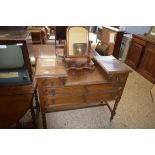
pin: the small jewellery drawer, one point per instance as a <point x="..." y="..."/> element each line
<point x="54" y="82"/>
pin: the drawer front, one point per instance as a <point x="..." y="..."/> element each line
<point x="67" y="91"/>
<point x="63" y="100"/>
<point x="54" y="82"/>
<point x="66" y="100"/>
<point x="80" y="90"/>
<point x="100" y="88"/>
<point x="77" y="95"/>
<point x="100" y="97"/>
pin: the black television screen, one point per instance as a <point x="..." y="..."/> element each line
<point x="13" y="70"/>
<point x="11" y="56"/>
<point x="12" y="65"/>
<point x="15" y="65"/>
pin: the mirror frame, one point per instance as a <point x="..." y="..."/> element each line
<point x="67" y="44"/>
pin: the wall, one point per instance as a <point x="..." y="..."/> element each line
<point x="136" y="29"/>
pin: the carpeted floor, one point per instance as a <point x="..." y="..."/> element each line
<point x="135" y="110"/>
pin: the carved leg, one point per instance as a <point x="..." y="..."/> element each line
<point x="106" y="103"/>
<point x="37" y="101"/>
<point x="44" y="120"/>
<point x="114" y="109"/>
<point x="33" y="115"/>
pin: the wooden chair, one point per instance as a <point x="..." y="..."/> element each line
<point x="36" y="37"/>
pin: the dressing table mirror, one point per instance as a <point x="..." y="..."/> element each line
<point x="77" y="48"/>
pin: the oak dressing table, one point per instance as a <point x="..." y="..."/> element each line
<point x="61" y="89"/>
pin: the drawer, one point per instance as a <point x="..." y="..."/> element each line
<point x="78" y="99"/>
<point x="53" y="82"/>
<point x="100" y="87"/>
<point x="65" y="91"/>
<point x="100" y="97"/>
<point x="63" y="100"/>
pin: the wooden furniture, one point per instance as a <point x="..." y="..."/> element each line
<point x="77" y="49"/>
<point x="112" y="37"/>
<point x="60" y="35"/>
<point x="39" y="34"/>
<point x="17" y="86"/>
<point x="60" y="38"/>
<point x="63" y="90"/>
<point x="60" y="32"/>
<point x="102" y="48"/>
<point x="125" y="45"/>
<point x="20" y="40"/>
<point x="99" y="34"/>
<point x="141" y="56"/>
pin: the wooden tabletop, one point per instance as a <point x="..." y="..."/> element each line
<point x="55" y="67"/>
<point x="111" y="65"/>
<point x="50" y="67"/>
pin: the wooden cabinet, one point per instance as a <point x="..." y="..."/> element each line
<point x="147" y="66"/>
<point x="141" y="56"/>
<point x="135" y="52"/>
